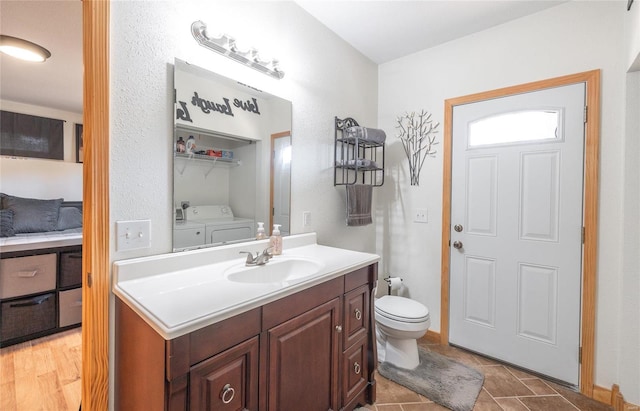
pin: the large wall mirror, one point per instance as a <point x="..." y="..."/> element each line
<point x="232" y="160"/>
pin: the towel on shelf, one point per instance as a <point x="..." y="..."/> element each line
<point x="360" y="163"/>
<point x="359" y="204"/>
<point x="364" y="133"/>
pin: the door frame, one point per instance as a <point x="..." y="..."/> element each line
<point x="590" y="210"/>
<point x="95" y="196"/>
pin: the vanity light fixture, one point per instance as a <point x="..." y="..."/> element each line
<point x="23" y="49"/>
<point x="227" y="46"/>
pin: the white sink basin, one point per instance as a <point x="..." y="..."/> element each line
<point x="275" y="271"/>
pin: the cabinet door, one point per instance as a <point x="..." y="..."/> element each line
<point x="227" y="381"/>
<point x="303" y="361"/>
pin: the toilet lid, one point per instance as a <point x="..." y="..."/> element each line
<point x="401" y="309"/>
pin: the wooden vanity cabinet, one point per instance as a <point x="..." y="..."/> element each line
<point x="311" y="350"/>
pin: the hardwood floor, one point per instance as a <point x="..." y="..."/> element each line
<point x="42" y="374"/>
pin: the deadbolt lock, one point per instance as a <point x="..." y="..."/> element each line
<point x="457" y="227"/>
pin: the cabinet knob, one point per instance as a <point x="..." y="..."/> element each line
<point x="356" y="368"/>
<point x="339" y="328"/>
<point x="227" y="394"/>
<point x="358" y="314"/>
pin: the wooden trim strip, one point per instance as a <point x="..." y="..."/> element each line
<point x="96" y="241"/>
<point x="589" y="259"/>
<point x="614" y="398"/>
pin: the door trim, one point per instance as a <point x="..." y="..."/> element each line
<point x="95" y="196"/>
<point x="590" y="199"/>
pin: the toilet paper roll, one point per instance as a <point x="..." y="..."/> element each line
<point x="395" y="283"/>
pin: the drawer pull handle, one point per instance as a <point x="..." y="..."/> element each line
<point x="227" y="394"/>
<point x="356" y="368"/>
<point x="32" y="302"/>
<point x="358" y="314"/>
<point x="74" y="255"/>
<point x="26" y="274"/>
<point x="339" y="328"/>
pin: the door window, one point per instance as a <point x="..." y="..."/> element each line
<point x="515" y="127"/>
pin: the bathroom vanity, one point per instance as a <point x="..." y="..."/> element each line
<point x="294" y="334"/>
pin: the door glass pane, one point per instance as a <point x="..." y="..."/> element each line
<point x="515" y="127"/>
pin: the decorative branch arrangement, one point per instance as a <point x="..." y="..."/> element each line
<point x="417" y="133"/>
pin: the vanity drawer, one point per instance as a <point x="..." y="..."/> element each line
<point x="355" y="370"/>
<point x="28" y="316"/>
<point x="70" y="268"/>
<point x="27" y="275"/>
<point x="70" y="303"/>
<point x="356" y="315"/>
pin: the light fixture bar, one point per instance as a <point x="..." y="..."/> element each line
<point x="23" y="49"/>
<point x="226" y="46"/>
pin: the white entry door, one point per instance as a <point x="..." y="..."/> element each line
<point x="516" y="229"/>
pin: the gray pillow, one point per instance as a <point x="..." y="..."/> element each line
<point x="6" y="223"/>
<point x="31" y="215"/>
<point x="70" y="217"/>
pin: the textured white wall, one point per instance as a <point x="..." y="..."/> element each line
<point x="629" y="318"/>
<point x="632" y="29"/>
<point x="324" y="77"/>
<point x="39" y="178"/>
<point x="570" y="38"/>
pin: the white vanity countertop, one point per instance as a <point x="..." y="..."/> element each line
<point x="179" y="293"/>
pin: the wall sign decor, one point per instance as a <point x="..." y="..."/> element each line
<point x="417" y="132"/>
<point x="223" y="106"/>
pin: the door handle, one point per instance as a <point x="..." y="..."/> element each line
<point x="457" y="245"/>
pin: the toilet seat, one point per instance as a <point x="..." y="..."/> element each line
<point x="401" y="309"/>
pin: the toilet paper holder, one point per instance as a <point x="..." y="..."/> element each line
<point x="388" y="280"/>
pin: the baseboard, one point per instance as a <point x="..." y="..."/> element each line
<point x="432" y="337"/>
<point x="614" y="398"/>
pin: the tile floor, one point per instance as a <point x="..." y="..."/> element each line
<point x="504" y="389"/>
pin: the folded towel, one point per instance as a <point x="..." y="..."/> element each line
<point x="360" y="162"/>
<point x="365" y="133"/>
<point x="359" y="204"/>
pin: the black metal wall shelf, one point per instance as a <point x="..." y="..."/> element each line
<point x="356" y="160"/>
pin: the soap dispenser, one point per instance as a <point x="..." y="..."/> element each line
<point x="276" y="240"/>
<point x="260" y="233"/>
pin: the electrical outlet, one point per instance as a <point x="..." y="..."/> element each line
<point x="306" y="218"/>
<point x="420" y="215"/>
<point x="131" y="235"/>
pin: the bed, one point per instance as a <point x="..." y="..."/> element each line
<point x="40" y="267"/>
<point x="27" y="223"/>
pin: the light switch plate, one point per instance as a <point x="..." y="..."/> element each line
<point x="421" y="215"/>
<point x="132" y="235"/>
<point x="306" y="218"/>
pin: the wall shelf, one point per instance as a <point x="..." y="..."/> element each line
<point x="356" y="160"/>
<point x="210" y="161"/>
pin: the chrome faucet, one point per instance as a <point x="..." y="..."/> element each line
<point x="259" y="259"/>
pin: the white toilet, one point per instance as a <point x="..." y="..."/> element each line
<point x="400" y="322"/>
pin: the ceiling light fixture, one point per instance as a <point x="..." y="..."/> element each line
<point x="23" y="49"/>
<point x="227" y="46"/>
